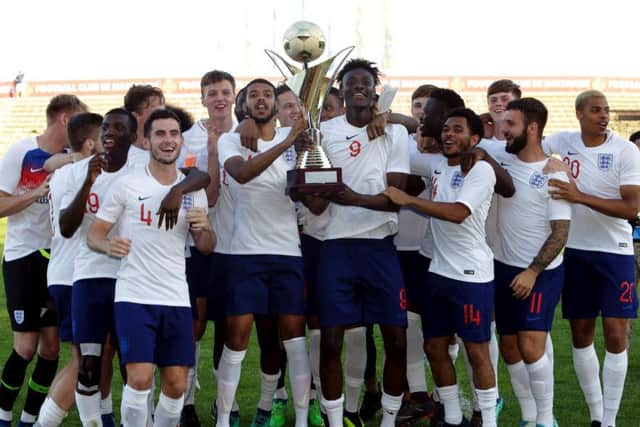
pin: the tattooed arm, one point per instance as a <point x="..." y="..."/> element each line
<point x="523" y="282"/>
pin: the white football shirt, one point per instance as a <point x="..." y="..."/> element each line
<point x="137" y="156"/>
<point x="412" y="225"/>
<point x="599" y="171"/>
<point x="154" y="270"/>
<point x="423" y="164"/>
<point x="193" y="152"/>
<point x="264" y="220"/>
<point x="365" y="165"/>
<point x="524" y="218"/>
<point x="89" y="264"/>
<point x="460" y="251"/>
<point x="63" y="250"/>
<point x="22" y="170"/>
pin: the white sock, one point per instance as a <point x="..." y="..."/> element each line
<point x="6" y="415"/>
<point x="467" y="364"/>
<point x="150" y="406"/>
<point x="522" y="389"/>
<point x="51" y="415"/>
<point x="451" y="401"/>
<point x="299" y="377"/>
<point x="106" y="405"/>
<point x="268" y="385"/>
<point x="548" y="348"/>
<point x="487" y="401"/>
<point x="354" y="366"/>
<point x="390" y="407"/>
<point x="494" y="353"/>
<point x="587" y="366"/>
<point x="235" y="407"/>
<point x="133" y="407"/>
<point x="228" y="379"/>
<point x="192" y="379"/>
<point x="281" y="394"/>
<point x="453" y="352"/>
<point x="415" y="354"/>
<point x="614" y="372"/>
<point x="334" y="411"/>
<point x="314" y="358"/>
<point x="541" y="376"/>
<point x="168" y="411"/>
<point x="89" y="409"/>
<point x="28" y="418"/>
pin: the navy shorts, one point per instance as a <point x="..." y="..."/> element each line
<point x="532" y="314"/>
<point x="450" y="306"/>
<point x="157" y="334"/>
<point x="25" y="286"/>
<point x="92" y="310"/>
<point x="265" y="285"/>
<point x="310" y="256"/>
<point x="415" y="268"/>
<point x="598" y="283"/>
<point x="61" y="297"/>
<point x="198" y="268"/>
<point x="360" y="282"/>
<point x="216" y="305"/>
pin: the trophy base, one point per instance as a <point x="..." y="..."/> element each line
<point x="314" y="180"/>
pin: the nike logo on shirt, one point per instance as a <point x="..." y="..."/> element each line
<point x="36" y="170"/>
<point x="436" y="172"/>
<point x="352" y="136"/>
<point x="572" y="154"/>
<point x="140" y="198"/>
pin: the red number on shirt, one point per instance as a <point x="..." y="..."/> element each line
<point x="403" y="299"/>
<point x="536" y="303"/>
<point x="93" y="203"/>
<point x="354" y="148"/>
<point x="143" y="218"/>
<point x="627" y="292"/>
<point x="471" y="315"/>
<point x="574" y="165"/>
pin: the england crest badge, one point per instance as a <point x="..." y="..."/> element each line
<point x="18" y="316"/>
<point x="605" y="161"/>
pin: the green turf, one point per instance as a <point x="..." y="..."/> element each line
<point x="570" y="408"/>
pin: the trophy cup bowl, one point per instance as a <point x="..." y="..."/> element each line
<point x="304" y="42"/>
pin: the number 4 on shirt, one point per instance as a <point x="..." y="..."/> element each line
<point x="145" y="218"/>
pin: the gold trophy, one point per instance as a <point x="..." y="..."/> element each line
<point x="304" y="42"/>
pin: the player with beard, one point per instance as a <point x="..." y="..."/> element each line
<point x="604" y="194"/>
<point x="359" y="279"/>
<point x="152" y="308"/>
<point x="94" y="274"/>
<point x="459" y="294"/>
<point x="265" y="270"/>
<point x="531" y="233"/>
<point x="24" y="185"/>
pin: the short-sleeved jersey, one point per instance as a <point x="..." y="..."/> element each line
<point x="154" y="270"/>
<point x="524" y="218"/>
<point x="599" y="171"/>
<point x="89" y="264"/>
<point x="365" y="165"/>
<point x="460" y="251"/>
<point x="412" y="226"/>
<point x="63" y="250"/>
<point x="423" y="164"/>
<point x="137" y="157"/>
<point x="193" y="152"/>
<point x="495" y="148"/>
<point x="264" y="218"/>
<point x="22" y="170"/>
<point x="223" y="210"/>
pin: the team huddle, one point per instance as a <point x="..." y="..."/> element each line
<point x="453" y="233"/>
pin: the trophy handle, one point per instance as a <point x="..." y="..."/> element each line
<point x="281" y="64"/>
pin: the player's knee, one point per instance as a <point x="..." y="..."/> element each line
<point x="436" y="351"/>
<point x="174" y="385"/>
<point x="478" y="355"/>
<point x="89" y="375"/>
<point x="509" y="349"/>
<point x="616" y="342"/>
<point x="395" y="345"/>
<point x="49" y="349"/>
